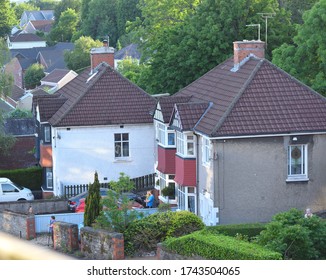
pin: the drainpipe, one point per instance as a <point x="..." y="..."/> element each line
<point x="197" y="175"/>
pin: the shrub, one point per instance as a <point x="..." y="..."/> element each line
<point x="27" y="177"/>
<point x="144" y="234"/>
<point x="294" y="236"/>
<point x="218" y="247"/>
<point x="250" y="230"/>
<point x="92" y="202"/>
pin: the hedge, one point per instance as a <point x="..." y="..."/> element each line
<point x="249" y="230"/>
<point x="28" y="177"/>
<point x="218" y="247"/>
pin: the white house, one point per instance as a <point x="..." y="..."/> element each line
<point x="99" y="121"/>
<point x="22" y="40"/>
<point x="57" y="78"/>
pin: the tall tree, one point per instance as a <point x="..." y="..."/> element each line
<point x="44" y="4"/>
<point x="92" y="202"/>
<point x="7" y="18"/>
<point x="66" y="26"/>
<point x="34" y="75"/>
<point x="63" y="5"/>
<point x="79" y="58"/>
<point x="6" y="80"/>
<point x="306" y="58"/>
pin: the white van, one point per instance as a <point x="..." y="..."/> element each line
<point x="11" y="192"/>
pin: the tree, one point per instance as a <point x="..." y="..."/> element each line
<point x="183" y="48"/>
<point x="63" y="5"/>
<point x="44" y="4"/>
<point x="131" y="69"/>
<point x="79" y="58"/>
<point x="306" y="58"/>
<point x="66" y="26"/>
<point x="6" y="80"/>
<point x="294" y="236"/>
<point x="33" y="75"/>
<point x="19" y="9"/>
<point x="92" y="202"/>
<point x="6" y="141"/>
<point x="7" y="18"/>
<point x="116" y="214"/>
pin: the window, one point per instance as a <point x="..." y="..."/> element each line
<point x="8" y="188"/>
<point x="121" y="145"/>
<point x="47" y="134"/>
<point x="49" y="178"/>
<point x="206" y="151"/>
<point x="165" y="136"/>
<point x="187" y="199"/>
<point x="297" y="162"/>
<point x="171" y="138"/>
<point x="186" y="144"/>
<point x="161" y="133"/>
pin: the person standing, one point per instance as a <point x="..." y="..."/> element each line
<point x="150" y="200"/>
<point x="51" y="231"/>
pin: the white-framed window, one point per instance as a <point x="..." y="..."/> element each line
<point x="186" y="197"/>
<point x="298" y="162"/>
<point x="186" y="144"/>
<point x="206" y="150"/>
<point x="165" y="136"/>
<point x="49" y="178"/>
<point x="121" y="145"/>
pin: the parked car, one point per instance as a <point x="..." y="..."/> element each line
<point x="9" y="191"/>
<point x="75" y="201"/>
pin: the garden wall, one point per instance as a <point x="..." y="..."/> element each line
<point x="163" y="254"/>
<point x="65" y="236"/>
<point x="100" y="244"/>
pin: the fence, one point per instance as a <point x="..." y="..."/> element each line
<point x="142" y="183"/>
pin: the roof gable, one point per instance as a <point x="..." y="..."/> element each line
<point x="102" y="99"/>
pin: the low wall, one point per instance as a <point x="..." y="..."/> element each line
<point x="17" y="224"/>
<point x="39" y="206"/>
<point x="100" y="244"/>
<point x="65" y="236"/>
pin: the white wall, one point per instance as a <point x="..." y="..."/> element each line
<point x="81" y="151"/>
<point x="26" y="45"/>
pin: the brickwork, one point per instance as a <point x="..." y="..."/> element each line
<point x="244" y="48"/>
<point x="65" y="236"/>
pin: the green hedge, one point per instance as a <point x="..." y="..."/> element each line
<point x="28" y="177"/>
<point x="249" y="230"/>
<point x="218" y="247"/>
<point x="144" y="234"/>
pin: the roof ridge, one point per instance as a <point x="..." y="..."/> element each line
<point x="237" y="97"/>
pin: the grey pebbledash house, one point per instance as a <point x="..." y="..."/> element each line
<point x="243" y="142"/>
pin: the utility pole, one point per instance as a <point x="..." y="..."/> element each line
<point x="258" y="25"/>
<point x="266" y="16"/>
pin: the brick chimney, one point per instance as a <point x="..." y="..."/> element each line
<point x="102" y="54"/>
<point x="244" y="49"/>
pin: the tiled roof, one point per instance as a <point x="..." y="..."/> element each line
<point x="128" y="51"/>
<point x="190" y="114"/>
<point x="167" y="104"/>
<point x="102" y="99"/>
<point x="42" y="25"/>
<point x="26" y="37"/>
<point x="17" y="93"/>
<point x="257" y="99"/>
<point x="55" y="76"/>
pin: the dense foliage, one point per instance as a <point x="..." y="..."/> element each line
<point x="305" y="59"/>
<point x="294" y="236"/>
<point x="27" y="177"/>
<point x="92" y="202"/>
<point x="144" y="234"/>
<point x="33" y="75"/>
<point x="218" y="247"/>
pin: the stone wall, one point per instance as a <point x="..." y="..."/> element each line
<point x="65" y="236"/>
<point x="17" y="224"/>
<point x="101" y="244"/>
<point x="43" y="206"/>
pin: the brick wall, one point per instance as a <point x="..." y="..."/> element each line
<point x="65" y="236"/>
<point x="101" y="244"/>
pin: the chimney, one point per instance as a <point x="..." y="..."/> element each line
<point x="244" y="49"/>
<point x="102" y="54"/>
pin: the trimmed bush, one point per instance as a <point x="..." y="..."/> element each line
<point x="27" y="177"/>
<point x="250" y="230"/>
<point x="218" y="247"/>
<point x="144" y="234"/>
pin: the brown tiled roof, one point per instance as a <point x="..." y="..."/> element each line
<point x="257" y="99"/>
<point x="102" y="99"/>
<point x="25" y="37"/>
<point x="17" y="93"/>
<point x="190" y="114"/>
<point x="42" y="25"/>
<point x="55" y="76"/>
<point x="167" y="104"/>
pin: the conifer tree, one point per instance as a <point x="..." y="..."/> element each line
<point x="92" y="202"/>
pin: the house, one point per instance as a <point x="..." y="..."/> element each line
<point x="99" y="121"/>
<point x="42" y="15"/>
<point x="14" y="68"/>
<point x="130" y="51"/>
<point x="21" y="40"/>
<point x="57" y="79"/>
<point x="19" y="99"/>
<point x="243" y="142"/>
<point x="34" y="26"/>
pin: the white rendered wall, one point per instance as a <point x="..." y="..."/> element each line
<point x="81" y="151"/>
